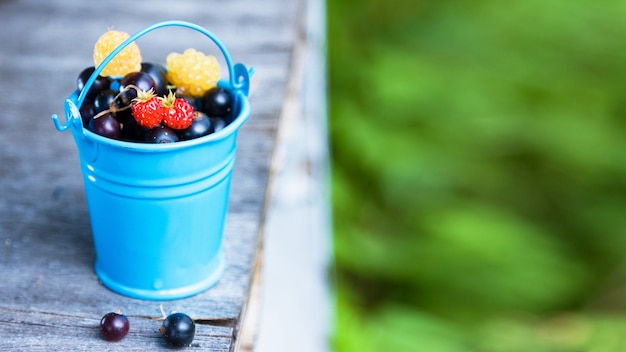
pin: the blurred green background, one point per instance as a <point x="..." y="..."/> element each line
<point x="479" y="174"/>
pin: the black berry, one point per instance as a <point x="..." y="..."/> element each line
<point x="201" y="125"/>
<point x="105" y="125"/>
<point x="114" y="326"/>
<point x="103" y="100"/>
<point x="133" y="81"/>
<point x="101" y="83"/>
<point x="217" y="102"/>
<point x="157" y="72"/>
<point x="87" y="112"/>
<point x="178" y="329"/>
<point x="219" y="123"/>
<point x="131" y="130"/>
<point x="161" y="134"/>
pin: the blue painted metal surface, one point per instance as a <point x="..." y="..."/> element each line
<point x="158" y="211"/>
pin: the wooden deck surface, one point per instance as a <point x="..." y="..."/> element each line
<point x="50" y="299"/>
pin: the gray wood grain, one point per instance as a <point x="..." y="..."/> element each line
<point x="50" y="299"/>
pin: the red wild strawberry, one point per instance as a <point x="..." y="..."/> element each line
<point x="147" y="109"/>
<point x="178" y="112"/>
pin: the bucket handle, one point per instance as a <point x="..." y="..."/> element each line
<point x="239" y="75"/>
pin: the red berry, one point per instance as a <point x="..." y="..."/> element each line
<point x="147" y="109"/>
<point x="178" y="112"/>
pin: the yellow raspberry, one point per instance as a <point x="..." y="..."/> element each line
<point x="126" y="61"/>
<point x="192" y="72"/>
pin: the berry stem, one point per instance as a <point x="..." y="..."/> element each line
<point x="162" y="311"/>
<point x="112" y="108"/>
<point x="109" y="110"/>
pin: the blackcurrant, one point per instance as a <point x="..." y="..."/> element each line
<point x="161" y="134"/>
<point x="217" y="102"/>
<point x="157" y="72"/>
<point x="178" y="329"/>
<point x="132" y="131"/>
<point x="105" y="125"/>
<point x="201" y="125"/>
<point x="124" y="115"/>
<point x="101" y="83"/>
<point x="219" y="123"/>
<point x="114" y="326"/>
<point x="103" y="100"/>
<point x="140" y="80"/>
<point x="86" y="112"/>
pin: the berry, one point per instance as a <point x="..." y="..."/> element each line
<point x="105" y="125"/>
<point x="147" y="109"/>
<point x="178" y="113"/>
<point x="126" y="61"/>
<point x="178" y="329"/>
<point x="161" y="134"/>
<point x="104" y="100"/>
<point x="131" y="83"/>
<point x="191" y="100"/>
<point x="217" y="102"/>
<point x="192" y="72"/>
<point x="114" y="326"/>
<point x="219" y="123"/>
<point x="131" y="130"/>
<point x="157" y="72"/>
<point x="98" y="85"/>
<point x="86" y="112"/>
<point x="123" y="114"/>
<point x="200" y="126"/>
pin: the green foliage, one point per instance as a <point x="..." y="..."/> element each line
<point x="479" y="170"/>
<point x="397" y="329"/>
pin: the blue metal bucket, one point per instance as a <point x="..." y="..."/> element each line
<point x="157" y="211"/>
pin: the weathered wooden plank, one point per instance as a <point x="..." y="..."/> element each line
<point x="50" y="298"/>
<point x="295" y="306"/>
<point x="28" y="330"/>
